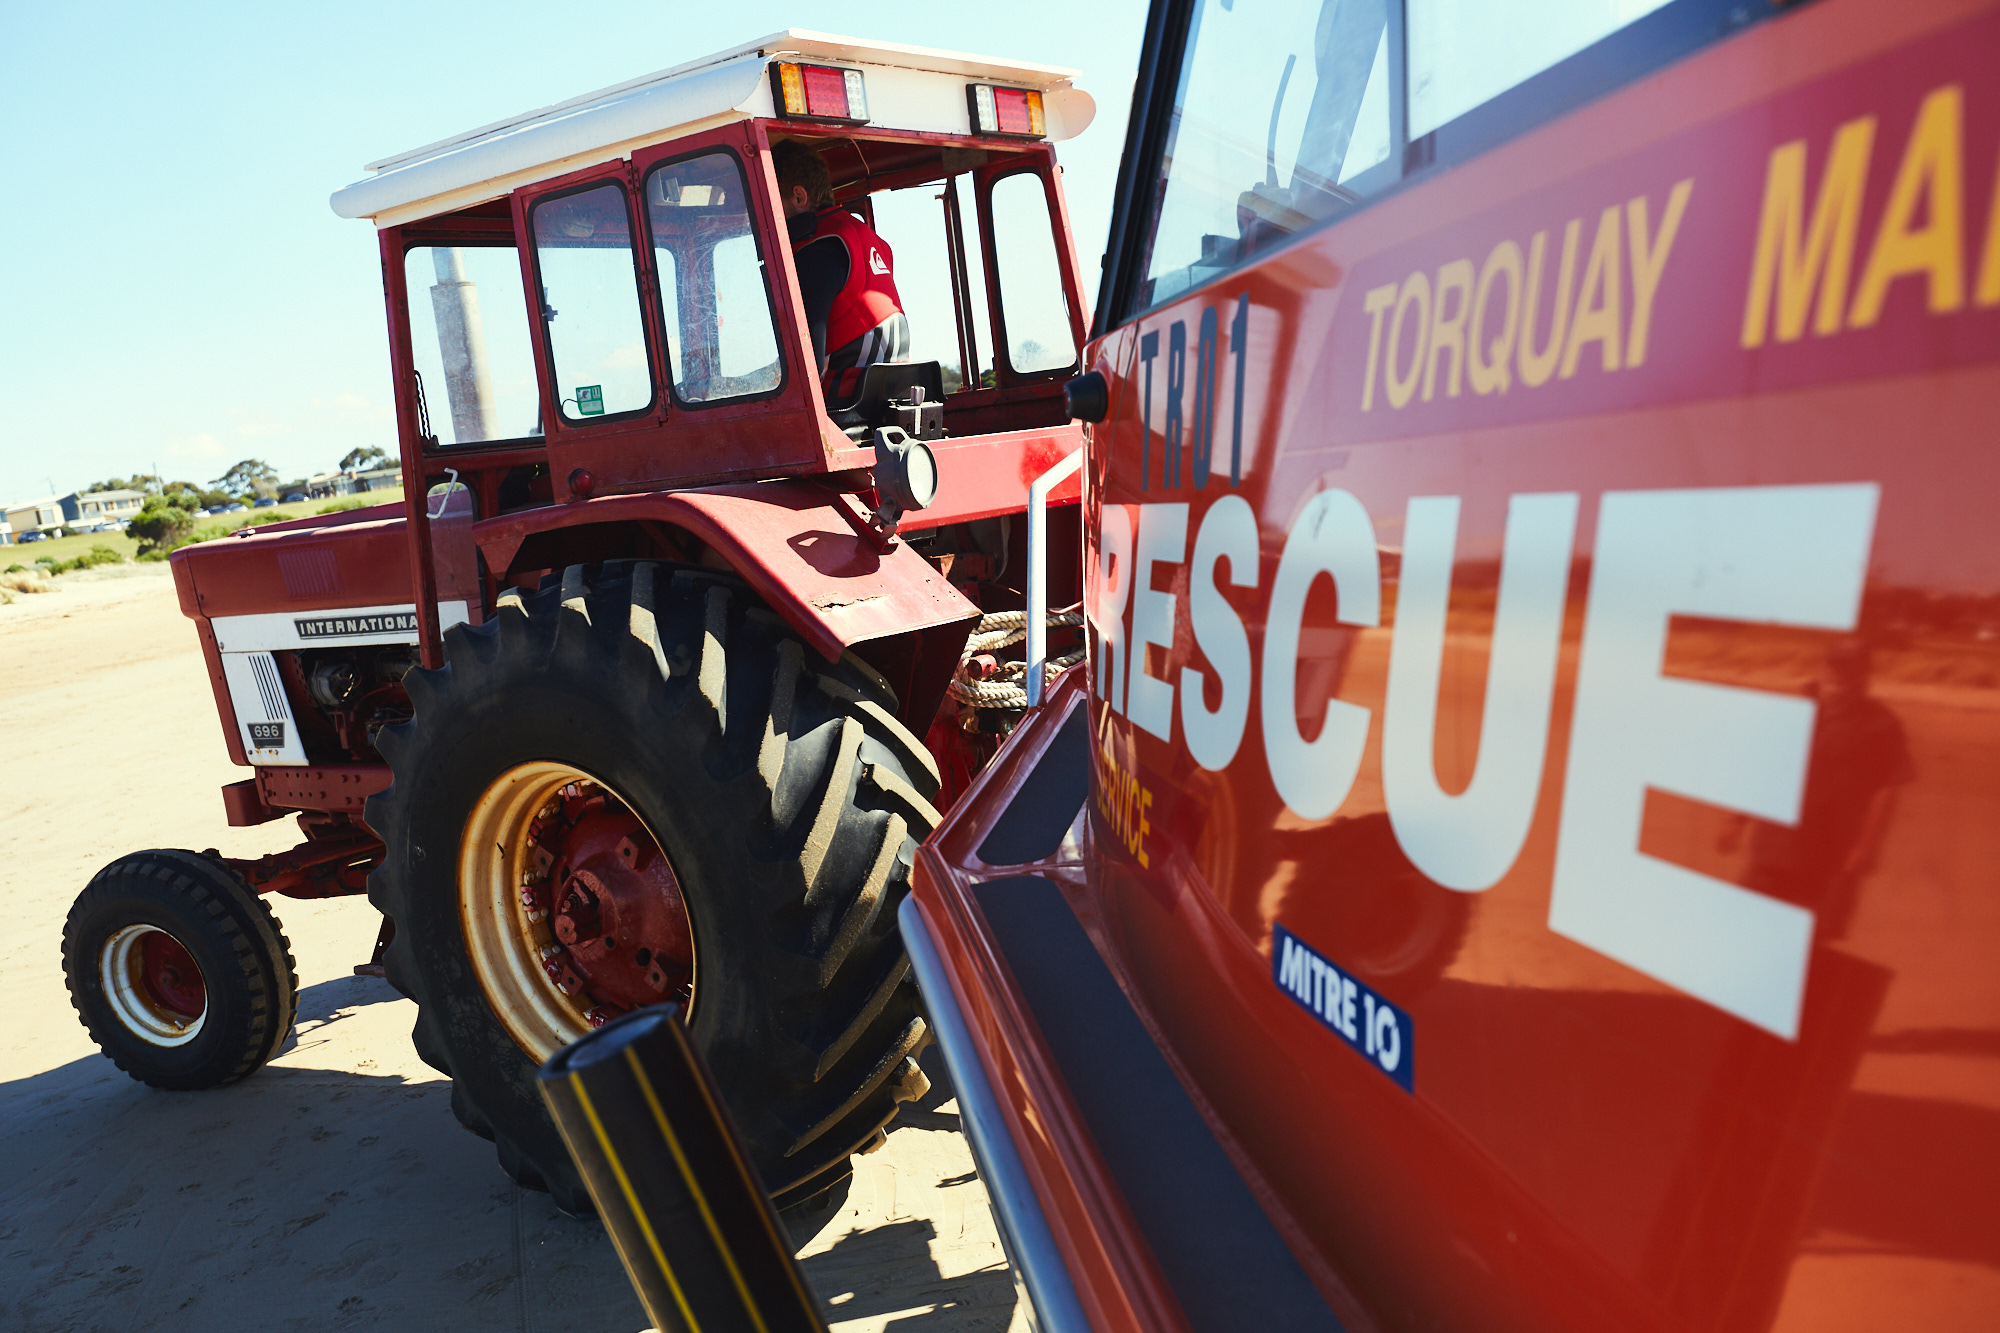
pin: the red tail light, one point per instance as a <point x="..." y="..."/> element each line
<point x="819" y="92"/>
<point x="1015" y="112"/>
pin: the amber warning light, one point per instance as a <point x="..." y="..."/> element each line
<point x="1010" y="111"/>
<point x="820" y="92"/>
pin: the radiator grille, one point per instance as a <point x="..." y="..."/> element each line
<point x="269" y="687"/>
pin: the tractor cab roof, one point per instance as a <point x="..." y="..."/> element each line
<point x="907" y="89"/>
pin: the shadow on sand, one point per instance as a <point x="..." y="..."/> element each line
<point x="300" y="1198"/>
<point x="311" y="1198"/>
<point x="890" y="1268"/>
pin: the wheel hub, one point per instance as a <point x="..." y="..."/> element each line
<point x="572" y="914"/>
<point x="619" y="914"/>
<point x="153" y="985"/>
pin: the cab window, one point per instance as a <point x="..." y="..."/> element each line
<point x="1033" y="309"/>
<point x="590" y="304"/>
<point x="1283" y="116"/>
<point x="947" y="322"/>
<point x="469" y="337"/>
<point x="1280" y="120"/>
<point x="715" y="291"/>
<point x="1464" y="53"/>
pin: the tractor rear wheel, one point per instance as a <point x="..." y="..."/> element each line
<point x="179" y="972"/>
<point x="638" y="786"/>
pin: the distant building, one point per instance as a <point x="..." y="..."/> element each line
<point x="43" y="515"/>
<point x="87" y="507"/>
<point x="6" y="533"/>
<point x="332" y="484"/>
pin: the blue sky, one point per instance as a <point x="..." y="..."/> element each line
<point x="179" y="292"/>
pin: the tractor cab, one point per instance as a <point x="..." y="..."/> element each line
<point x="599" y="297"/>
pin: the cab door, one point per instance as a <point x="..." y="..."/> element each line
<point x="742" y="400"/>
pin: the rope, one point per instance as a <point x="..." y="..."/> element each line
<point x="1007" y="686"/>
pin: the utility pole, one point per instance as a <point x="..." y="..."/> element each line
<point x="462" y="345"/>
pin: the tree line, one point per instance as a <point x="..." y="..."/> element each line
<point x="251" y="477"/>
<point x="172" y="507"/>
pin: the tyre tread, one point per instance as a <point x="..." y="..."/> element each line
<point x="832" y="809"/>
<point x="832" y="791"/>
<point x="867" y="904"/>
<point x="913" y="753"/>
<point x="906" y="1043"/>
<point x="871" y="1008"/>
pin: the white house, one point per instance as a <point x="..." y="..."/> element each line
<point x="88" y="507"/>
<point x="43" y="515"/>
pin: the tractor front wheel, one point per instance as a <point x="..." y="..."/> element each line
<point x="179" y="972"/>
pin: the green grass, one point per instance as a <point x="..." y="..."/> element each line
<point x="69" y="548"/>
<point x="206" y="529"/>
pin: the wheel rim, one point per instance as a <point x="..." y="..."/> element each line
<point x="572" y="913"/>
<point x="153" y="984"/>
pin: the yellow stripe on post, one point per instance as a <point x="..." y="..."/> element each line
<point x="672" y="1180"/>
<point x="632" y="1200"/>
<point x="694" y="1188"/>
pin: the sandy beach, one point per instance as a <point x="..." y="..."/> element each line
<point x="332" y="1189"/>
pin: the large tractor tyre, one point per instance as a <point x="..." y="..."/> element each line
<point x="636" y="786"/>
<point x="179" y="972"/>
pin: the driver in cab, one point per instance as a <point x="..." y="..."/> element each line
<point x="846" y="274"/>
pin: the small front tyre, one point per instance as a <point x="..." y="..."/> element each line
<point x="179" y="972"/>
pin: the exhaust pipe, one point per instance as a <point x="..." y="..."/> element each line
<point x="698" y="1236"/>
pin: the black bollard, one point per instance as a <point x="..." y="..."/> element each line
<point x="699" y="1238"/>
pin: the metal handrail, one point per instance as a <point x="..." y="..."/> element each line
<point x="1038" y="569"/>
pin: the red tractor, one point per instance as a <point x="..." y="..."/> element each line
<point x="651" y="687"/>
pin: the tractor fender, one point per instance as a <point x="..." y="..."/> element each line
<point x="791" y="543"/>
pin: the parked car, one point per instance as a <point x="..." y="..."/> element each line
<point x="295" y="498"/>
<point x="264" y="503"/>
<point x="32" y="537"/>
<point x="232" y="509"/>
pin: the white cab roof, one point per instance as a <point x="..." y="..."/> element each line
<point x="909" y="88"/>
